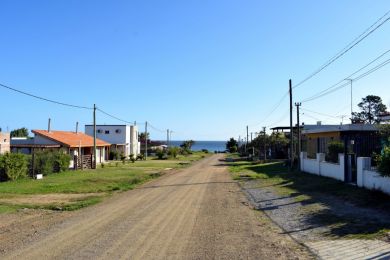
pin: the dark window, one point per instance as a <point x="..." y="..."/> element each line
<point x="107" y="132"/>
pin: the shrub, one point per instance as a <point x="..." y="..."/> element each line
<point x="173" y="151"/>
<point x="132" y="158"/>
<point x="205" y="150"/>
<point x="160" y="154"/>
<point x="114" y="155"/>
<point x="13" y="166"/>
<point x="334" y="148"/>
<point x="102" y="165"/>
<point x="47" y="162"/>
<point x="140" y="156"/>
<point x="384" y="162"/>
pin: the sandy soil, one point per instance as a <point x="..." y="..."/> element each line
<point x="46" y="199"/>
<point x="194" y="213"/>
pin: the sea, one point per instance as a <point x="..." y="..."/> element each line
<point x="211" y="146"/>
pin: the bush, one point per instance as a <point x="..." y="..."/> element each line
<point x="173" y="151"/>
<point x="47" y="162"/>
<point x="114" y="155"/>
<point x="160" y="154"/>
<point x="140" y="156"/>
<point x="334" y="148"/>
<point x="384" y="162"/>
<point x="132" y="158"/>
<point x="13" y="166"/>
<point x="205" y="150"/>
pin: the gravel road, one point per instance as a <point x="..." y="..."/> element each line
<point x="194" y="213"/>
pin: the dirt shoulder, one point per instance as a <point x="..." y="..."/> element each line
<point x="195" y="213"/>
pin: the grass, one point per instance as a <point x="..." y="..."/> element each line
<point x="315" y="190"/>
<point x="113" y="177"/>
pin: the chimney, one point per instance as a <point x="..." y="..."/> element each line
<point x="48" y="126"/>
<point x="77" y="127"/>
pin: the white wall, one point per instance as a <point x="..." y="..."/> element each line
<point x="319" y="167"/>
<point x="369" y="179"/>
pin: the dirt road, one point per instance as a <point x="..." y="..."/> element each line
<point x="195" y="213"/>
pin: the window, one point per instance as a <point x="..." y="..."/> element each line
<point x="99" y="131"/>
<point x="118" y="131"/>
<point x="107" y="132"/>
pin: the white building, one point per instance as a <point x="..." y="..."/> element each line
<point x="123" y="138"/>
<point x="4" y="142"/>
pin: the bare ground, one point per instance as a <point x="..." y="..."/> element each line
<point x="194" y="213"/>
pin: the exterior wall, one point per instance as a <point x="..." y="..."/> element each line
<point x="319" y="167"/>
<point x="318" y="142"/>
<point x="369" y="179"/>
<point x="124" y="135"/>
<point x="5" y="142"/>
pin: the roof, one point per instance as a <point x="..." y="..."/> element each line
<point x="340" y="128"/>
<point x="70" y="139"/>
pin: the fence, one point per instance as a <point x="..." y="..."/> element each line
<point x="369" y="179"/>
<point x="320" y="167"/>
<point x="83" y="162"/>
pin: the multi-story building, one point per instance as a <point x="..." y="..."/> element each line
<point x="123" y="138"/>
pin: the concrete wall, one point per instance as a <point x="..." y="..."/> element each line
<point x="319" y="167"/>
<point x="370" y="179"/>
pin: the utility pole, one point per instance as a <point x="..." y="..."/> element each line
<point x="146" y="140"/>
<point x="291" y="127"/>
<point x="351" y="100"/>
<point x="247" y="138"/>
<point x="167" y="138"/>
<point x="94" y="136"/>
<point x="265" y="146"/>
<point x="298" y="104"/>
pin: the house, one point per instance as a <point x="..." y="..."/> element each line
<point x="123" y="138"/>
<point x="385" y="117"/>
<point x="359" y="139"/>
<point x="4" y="142"/>
<point x="76" y="144"/>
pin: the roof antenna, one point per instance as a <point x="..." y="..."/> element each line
<point x="77" y="127"/>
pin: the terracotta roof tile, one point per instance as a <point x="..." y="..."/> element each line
<point x="70" y="139"/>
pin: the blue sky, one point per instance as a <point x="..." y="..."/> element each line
<point x="204" y="69"/>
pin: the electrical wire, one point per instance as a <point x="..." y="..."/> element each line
<point x="322" y="114"/>
<point x="44" y="99"/>
<point x="347" y="48"/>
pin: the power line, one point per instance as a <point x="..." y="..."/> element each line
<point x="115" y="117"/>
<point x="44" y="99"/>
<point x="333" y="88"/>
<point x="155" y="128"/>
<point x="322" y="114"/>
<point x="347" y="48"/>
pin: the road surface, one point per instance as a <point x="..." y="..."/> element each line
<point x="194" y="213"/>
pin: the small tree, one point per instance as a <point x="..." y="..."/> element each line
<point x="186" y="146"/>
<point x="13" y="166"/>
<point x="173" y="151"/>
<point x="232" y="145"/>
<point x="334" y="148"/>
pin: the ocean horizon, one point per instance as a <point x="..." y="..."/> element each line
<point x="211" y="146"/>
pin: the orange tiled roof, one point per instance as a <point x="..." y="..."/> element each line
<point x="70" y="139"/>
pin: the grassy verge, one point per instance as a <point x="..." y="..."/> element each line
<point x="57" y="190"/>
<point x="315" y="193"/>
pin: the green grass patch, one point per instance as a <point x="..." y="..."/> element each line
<point x="311" y="190"/>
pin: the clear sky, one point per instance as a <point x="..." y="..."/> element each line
<point x="204" y="69"/>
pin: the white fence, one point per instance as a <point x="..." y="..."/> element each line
<point x="369" y="179"/>
<point x="319" y="167"/>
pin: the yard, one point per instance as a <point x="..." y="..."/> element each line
<point x="72" y="190"/>
<point x="312" y="207"/>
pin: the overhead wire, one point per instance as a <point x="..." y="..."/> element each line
<point x="43" y="98"/>
<point x="348" y="47"/>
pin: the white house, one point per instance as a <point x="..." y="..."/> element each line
<point x="4" y="142"/>
<point x="123" y="138"/>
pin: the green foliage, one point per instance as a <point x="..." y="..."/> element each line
<point x="173" y="151"/>
<point x="114" y="155"/>
<point x="47" y="162"/>
<point x="205" y="150"/>
<point x="384" y="132"/>
<point x="102" y="165"/>
<point x="21" y="132"/>
<point x="232" y="145"/>
<point x="371" y="107"/>
<point x="140" y="157"/>
<point x="384" y="162"/>
<point x="334" y="148"/>
<point x="13" y="166"/>
<point x="186" y="147"/>
<point x="132" y="158"/>
<point x="160" y="154"/>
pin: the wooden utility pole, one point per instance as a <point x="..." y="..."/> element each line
<point x="265" y="146"/>
<point x="146" y="140"/>
<point x="291" y="127"/>
<point x="94" y="137"/>
<point x="167" y="138"/>
<point x="247" y="138"/>
<point x="298" y="104"/>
